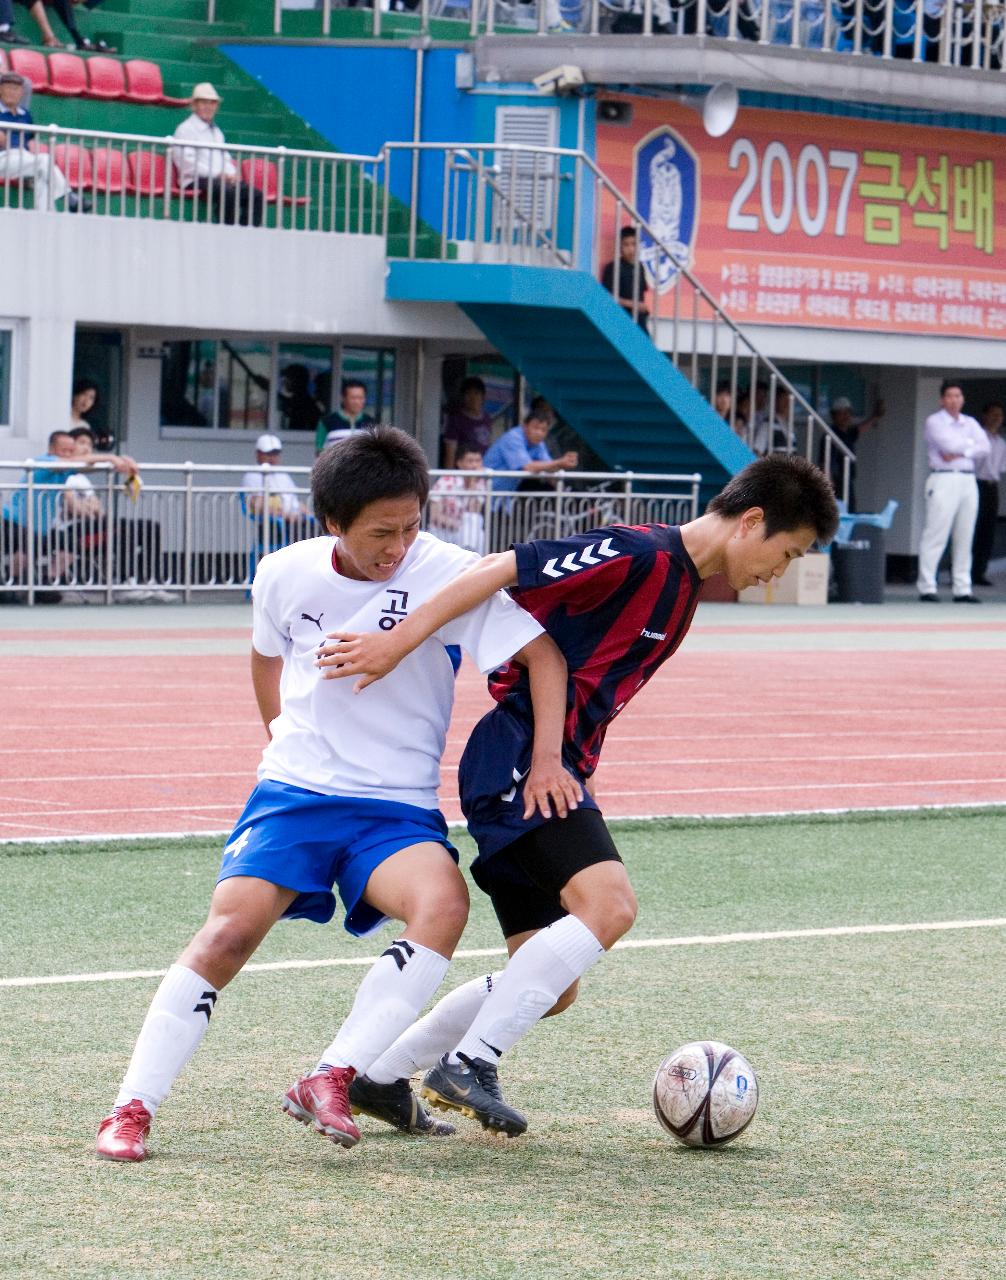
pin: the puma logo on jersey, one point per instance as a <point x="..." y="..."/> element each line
<point x="306" y="617"/>
<point x="653" y="635"/>
<point x="577" y="560"/>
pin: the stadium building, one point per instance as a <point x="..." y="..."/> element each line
<point x="442" y="187"/>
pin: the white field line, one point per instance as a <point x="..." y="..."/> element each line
<point x="631" y="944"/>
<point x="459" y="824"/>
<point x="811" y="786"/>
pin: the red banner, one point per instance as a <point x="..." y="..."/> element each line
<point x="836" y="223"/>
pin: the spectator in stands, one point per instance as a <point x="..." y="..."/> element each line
<point x="848" y="432"/>
<point x="212" y="173"/>
<point x="82" y="528"/>
<point x="83" y="400"/>
<point x="631" y="286"/>
<point x="7" y="33"/>
<point x="773" y="430"/>
<point x="289" y="517"/>
<point x="468" y="425"/>
<point x="19" y="157"/>
<point x="351" y="415"/>
<point x="955" y="443"/>
<point x="49" y="474"/>
<point x="65" y="10"/>
<point x="457" y="503"/>
<point x="988" y="474"/>
<point x="523" y="448"/>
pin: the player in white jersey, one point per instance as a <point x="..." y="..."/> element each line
<point x="347" y="790"/>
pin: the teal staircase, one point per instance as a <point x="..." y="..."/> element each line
<point x="576" y="346"/>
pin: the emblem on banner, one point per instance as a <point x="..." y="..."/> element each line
<point x="666" y="193"/>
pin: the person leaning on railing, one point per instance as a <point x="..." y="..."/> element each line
<point x="49" y="474"/>
<point x="19" y="159"/>
<point x="212" y="173"/>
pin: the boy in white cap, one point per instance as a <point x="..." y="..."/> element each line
<point x="275" y="492"/>
<point x="209" y="171"/>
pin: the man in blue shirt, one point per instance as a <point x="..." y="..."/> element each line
<point x="49" y="475"/>
<point x="522" y="448"/>
<point x="18" y="158"/>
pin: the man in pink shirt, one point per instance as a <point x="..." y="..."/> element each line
<point x="954" y="442"/>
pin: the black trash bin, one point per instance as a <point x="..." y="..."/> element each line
<point x="860" y="565"/>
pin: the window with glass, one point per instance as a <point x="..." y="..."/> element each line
<point x="375" y="368"/>
<point x="231" y="384"/>
<point x="304" y="386"/>
<point x="6" y="344"/>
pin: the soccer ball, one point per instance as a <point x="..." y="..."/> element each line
<point x="705" y="1093"/>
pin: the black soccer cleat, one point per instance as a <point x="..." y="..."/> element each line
<point x="396" y="1105"/>
<point x="472" y="1087"/>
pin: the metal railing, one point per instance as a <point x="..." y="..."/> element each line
<point x="126" y="175"/>
<point x="957" y="33"/>
<point x="195" y="528"/>
<point x="551" y="206"/>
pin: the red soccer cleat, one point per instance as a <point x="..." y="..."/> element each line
<point x="121" y="1135"/>
<point x="323" y="1101"/>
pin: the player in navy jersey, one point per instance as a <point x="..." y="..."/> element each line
<point x="347" y="790"/>
<point x="618" y="602"/>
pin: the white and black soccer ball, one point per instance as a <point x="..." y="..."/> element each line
<point x="705" y="1093"/>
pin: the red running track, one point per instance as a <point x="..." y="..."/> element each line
<point x="117" y="745"/>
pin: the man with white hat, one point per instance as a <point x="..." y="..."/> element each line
<point x="210" y="170"/>
<point x="272" y="492"/>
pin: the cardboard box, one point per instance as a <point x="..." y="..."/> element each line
<point x="804" y="582"/>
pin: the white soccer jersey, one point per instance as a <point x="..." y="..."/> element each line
<point x="387" y="741"/>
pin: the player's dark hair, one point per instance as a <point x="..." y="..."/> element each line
<point x="77" y="432"/>
<point x="349" y="383"/>
<point x="84" y="384"/>
<point x="947" y="384"/>
<point x="55" y="435"/>
<point x="792" y="492"/>
<point x="381" y="462"/>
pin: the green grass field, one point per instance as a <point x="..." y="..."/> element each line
<point x="878" y="1149"/>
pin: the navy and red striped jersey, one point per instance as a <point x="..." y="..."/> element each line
<point x="618" y="602"/>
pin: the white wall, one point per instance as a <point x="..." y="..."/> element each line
<point x="60" y="271"/>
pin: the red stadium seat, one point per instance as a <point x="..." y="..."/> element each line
<point x="4" y="64"/>
<point x="144" y="83"/>
<point x="146" y="173"/>
<point x="264" y="174"/>
<point x="67" y="75"/>
<point x="105" y="78"/>
<point x="108" y="175"/>
<point x="75" y="163"/>
<point x="32" y="65"/>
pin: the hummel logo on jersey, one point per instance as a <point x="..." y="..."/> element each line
<point x="400" y="951"/>
<point x="571" y="564"/>
<point x="206" y="1002"/>
<point x="235" y="847"/>
<point x="507" y="796"/>
<point x="653" y="635"/>
<point x="306" y="617"/>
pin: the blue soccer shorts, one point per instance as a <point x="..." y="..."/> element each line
<point x="302" y="840"/>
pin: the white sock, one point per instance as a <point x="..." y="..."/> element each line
<point x="172" y="1031"/>
<point x="389" y="997"/>
<point x="535" y="977"/>
<point x="427" y="1040"/>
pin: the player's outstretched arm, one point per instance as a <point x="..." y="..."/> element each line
<point x="548" y="783"/>
<point x="374" y="654"/>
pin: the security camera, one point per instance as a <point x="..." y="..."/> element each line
<point x="564" y="79"/>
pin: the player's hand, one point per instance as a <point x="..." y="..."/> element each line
<point x="549" y="784"/>
<point x="369" y="656"/>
